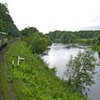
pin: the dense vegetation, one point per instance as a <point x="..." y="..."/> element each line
<point x="3" y="83"/>
<point x="29" y="30"/>
<point x="38" y="43"/>
<point x="6" y="23"/>
<point x="80" y="71"/>
<point x="81" y="37"/>
<point x="33" y="80"/>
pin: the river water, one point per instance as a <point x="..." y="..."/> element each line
<point x="58" y="56"/>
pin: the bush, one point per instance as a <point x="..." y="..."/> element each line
<point x="80" y="71"/>
<point x="37" y="42"/>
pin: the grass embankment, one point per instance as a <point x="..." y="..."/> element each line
<point x="33" y="80"/>
<point x="83" y="41"/>
<point x="4" y="83"/>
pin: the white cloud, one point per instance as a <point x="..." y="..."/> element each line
<point x="49" y="15"/>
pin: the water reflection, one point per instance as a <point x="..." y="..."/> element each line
<point x="58" y="56"/>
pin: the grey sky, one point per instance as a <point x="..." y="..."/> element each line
<point x="50" y="15"/>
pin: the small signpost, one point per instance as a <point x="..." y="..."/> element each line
<point x="22" y="59"/>
<point x="12" y="64"/>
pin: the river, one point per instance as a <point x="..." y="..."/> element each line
<point x="58" y="56"/>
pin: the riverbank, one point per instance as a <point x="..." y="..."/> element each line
<point x="33" y="80"/>
<point x="59" y="55"/>
<point x="96" y="48"/>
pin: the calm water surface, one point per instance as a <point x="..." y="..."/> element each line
<point x="58" y="56"/>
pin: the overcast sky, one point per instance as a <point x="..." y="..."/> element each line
<point x="50" y="15"/>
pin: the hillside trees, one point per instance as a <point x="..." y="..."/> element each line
<point x="68" y="38"/>
<point x="94" y="40"/>
<point x="13" y="31"/>
<point x="6" y="23"/>
<point x="28" y="30"/>
<point x="83" y="37"/>
<point x="98" y="40"/>
<point x="37" y="42"/>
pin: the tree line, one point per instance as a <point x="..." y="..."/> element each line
<point x="81" y="37"/>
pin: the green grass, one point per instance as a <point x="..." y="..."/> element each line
<point x="33" y="80"/>
<point x="18" y="85"/>
<point x="4" y="83"/>
<point x="84" y="41"/>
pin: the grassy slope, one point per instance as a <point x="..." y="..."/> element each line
<point x="33" y="80"/>
<point x="4" y="83"/>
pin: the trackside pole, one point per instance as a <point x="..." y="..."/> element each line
<point x="22" y="59"/>
<point x="12" y="64"/>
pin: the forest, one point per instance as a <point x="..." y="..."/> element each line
<point x="81" y="37"/>
<point x="91" y="38"/>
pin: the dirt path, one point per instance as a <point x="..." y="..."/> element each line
<point x="2" y="59"/>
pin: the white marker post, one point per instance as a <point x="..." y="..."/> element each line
<point x="22" y="59"/>
<point x="12" y="64"/>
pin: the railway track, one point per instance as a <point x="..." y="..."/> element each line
<point x="2" y="53"/>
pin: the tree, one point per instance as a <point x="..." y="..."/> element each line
<point x="94" y="40"/>
<point x="37" y="42"/>
<point x="80" y="71"/>
<point x="99" y="40"/>
<point x="88" y="41"/>
<point x="13" y="31"/>
<point x="29" y="30"/>
<point x="83" y="37"/>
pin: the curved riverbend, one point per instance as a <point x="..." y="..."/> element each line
<point x="58" y="56"/>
